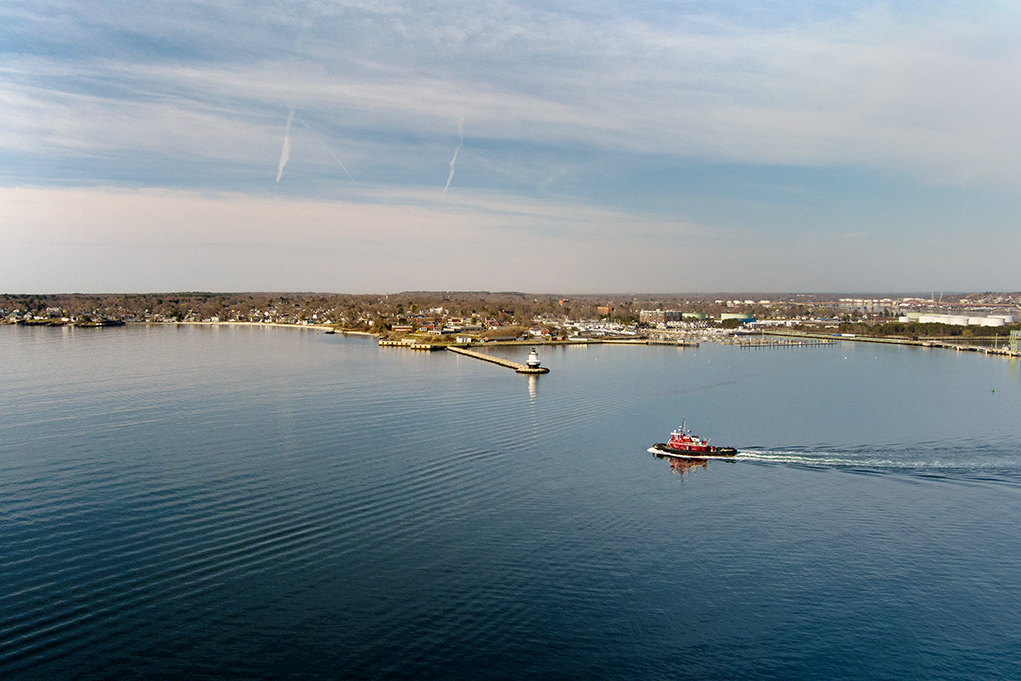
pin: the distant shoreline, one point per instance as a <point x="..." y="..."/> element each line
<point x="324" y="327"/>
<point x="925" y="343"/>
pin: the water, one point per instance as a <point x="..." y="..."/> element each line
<point x="263" y="503"/>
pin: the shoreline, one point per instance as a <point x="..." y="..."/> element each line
<point x="321" y="327"/>
<point x="929" y="343"/>
<point x="324" y="327"/>
<point x="933" y="343"/>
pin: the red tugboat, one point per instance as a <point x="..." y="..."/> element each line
<point x="684" y="445"/>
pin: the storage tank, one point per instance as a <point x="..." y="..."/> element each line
<point x="959" y="320"/>
<point x="993" y="321"/>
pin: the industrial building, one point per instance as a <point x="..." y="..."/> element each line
<point x="957" y="320"/>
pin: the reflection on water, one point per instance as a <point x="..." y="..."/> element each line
<point x="683" y="466"/>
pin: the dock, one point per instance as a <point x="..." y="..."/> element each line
<point x="759" y="342"/>
<point x="680" y="343"/>
<point x="409" y="345"/>
<point x="520" y="368"/>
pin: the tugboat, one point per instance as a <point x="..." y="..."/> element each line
<point x="684" y="445"/>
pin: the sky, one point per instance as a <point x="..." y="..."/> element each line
<point x="590" y="146"/>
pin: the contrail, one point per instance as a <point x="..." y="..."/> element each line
<point x="452" y="161"/>
<point x="460" y="136"/>
<point x="285" y="153"/>
<point x="326" y="148"/>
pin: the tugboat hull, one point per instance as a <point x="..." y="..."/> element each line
<point x="662" y="449"/>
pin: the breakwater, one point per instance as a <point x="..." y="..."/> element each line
<point x="1003" y="350"/>
<point x="518" y="367"/>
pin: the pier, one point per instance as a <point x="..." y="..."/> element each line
<point x="680" y="343"/>
<point x="520" y="368"/>
<point x="409" y="344"/>
<point x="776" y="342"/>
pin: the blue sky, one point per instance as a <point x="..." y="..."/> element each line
<point x="594" y="146"/>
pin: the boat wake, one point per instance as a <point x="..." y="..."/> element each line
<point x="811" y="458"/>
<point x="948" y="463"/>
<point x="764" y="456"/>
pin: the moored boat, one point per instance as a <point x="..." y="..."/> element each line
<point x="684" y="445"/>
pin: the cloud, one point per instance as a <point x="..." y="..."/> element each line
<point x="928" y="95"/>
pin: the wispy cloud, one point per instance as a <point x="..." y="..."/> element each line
<point x="931" y="99"/>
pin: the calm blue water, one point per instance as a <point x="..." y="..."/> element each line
<point x="269" y="503"/>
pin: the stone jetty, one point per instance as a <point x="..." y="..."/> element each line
<point x="520" y="368"/>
